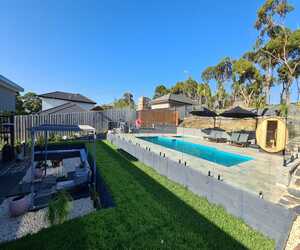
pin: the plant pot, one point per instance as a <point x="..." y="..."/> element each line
<point x="39" y="172"/>
<point x="19" y="157"/>
<point x="19" y="205"/>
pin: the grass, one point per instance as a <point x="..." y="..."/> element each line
<point x="152" y="213"/>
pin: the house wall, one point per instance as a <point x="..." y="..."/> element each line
<point x="160" y="106"/>
<point x="48" y="103"/>
<point x="7" y="100"/>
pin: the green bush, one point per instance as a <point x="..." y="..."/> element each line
<point x="59" y="208"/>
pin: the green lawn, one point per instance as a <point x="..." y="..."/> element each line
<point x="152" y="212"/>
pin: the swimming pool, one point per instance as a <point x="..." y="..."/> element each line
<point x="204" y="152"/>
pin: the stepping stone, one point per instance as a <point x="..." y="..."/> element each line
<point x="284" y="202"/>
<point x="296" y="209"/>
<point x="292" y="199"/>
<point x="297" y="247"/>
<point x="294" y="192"/>
<point x="297" y="172"/>
<point x="297" y="183"/>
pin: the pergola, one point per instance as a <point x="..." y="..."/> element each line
<point x="46" y="128"/>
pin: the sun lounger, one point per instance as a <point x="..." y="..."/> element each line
<point x="211" y="135"/>
<point x="216" y="136"/>
<point x="243" y="139"/>
<point x="234" y="138"/>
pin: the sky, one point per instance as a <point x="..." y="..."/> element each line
<point x="104" y="48"/>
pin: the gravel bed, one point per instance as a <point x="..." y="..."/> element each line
<point x="32" y="222"/>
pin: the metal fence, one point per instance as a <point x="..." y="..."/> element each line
<point x="99" y="120"/>
<point x="6" y="129"/>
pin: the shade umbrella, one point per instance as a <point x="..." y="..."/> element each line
<point x="238" y="112"/>
<point x="205" y="112"/>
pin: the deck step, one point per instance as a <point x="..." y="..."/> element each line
<point x="294" y="191"/>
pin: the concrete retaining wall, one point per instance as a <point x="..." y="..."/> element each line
<point x="270" y="219"/>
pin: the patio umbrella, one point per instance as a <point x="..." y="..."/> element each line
<point x="238" y="112"/>
<point x="205" y="112"/>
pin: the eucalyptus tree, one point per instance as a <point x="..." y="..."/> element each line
<point x="160" y="90"/>
<point x="247" y="81"/>
<point x="267" y="64"/>
<point x="278" y="42"/>
<point x="204" y="94"/>
<point x="191" y="88"/>
<point x="221" y="73"/>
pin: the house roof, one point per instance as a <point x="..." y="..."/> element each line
<point x="67" y="97"/>
<point x="69" y="107"/>
<point x="173" y="98"/>
<point x="10" y="85"/>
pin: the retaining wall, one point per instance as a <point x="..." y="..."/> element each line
<point x="271" y="219"/>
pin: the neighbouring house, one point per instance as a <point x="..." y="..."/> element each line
<point x="143" y="103"/>
<point x="102" y="107"/>
<point x="8" y="93"/>
<point x="63" y="102"/>
<point x="171" y="101"/>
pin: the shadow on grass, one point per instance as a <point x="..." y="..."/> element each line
<point x="211" y="236"/>
<point x="147" y="216"/>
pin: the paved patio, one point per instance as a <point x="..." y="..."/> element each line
<point x="264" y="173"/>
<point x="10" y="176"/>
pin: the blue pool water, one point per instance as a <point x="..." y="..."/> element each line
<point x="204" y="152"/>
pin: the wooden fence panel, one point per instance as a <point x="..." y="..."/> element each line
<point x="99" y="120"/>
<point x="161" y="117"/>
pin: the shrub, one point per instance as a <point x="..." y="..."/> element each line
<point x="59" y="208"/>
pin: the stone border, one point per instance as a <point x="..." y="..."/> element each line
<point x="32" y="222"/>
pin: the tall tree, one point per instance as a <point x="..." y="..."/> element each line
<point x="178" y="89"/>
<point x="247" y="81"/>
<point x="125" y="101"/>
<point x="221" y="73"/>
<point x="160" y="90"/>
<point x="267" y="64"/>
<point x="279" y="42"/>
<point x="204" y="94"/>
<point x="190" y="87"/>
<point x="31" y="103"/>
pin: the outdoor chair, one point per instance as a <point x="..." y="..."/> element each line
<point x="234" y="138"/>
<point x="211" y="135"/>
<point x="220" y="136"/>
<point x="243" y="139"/>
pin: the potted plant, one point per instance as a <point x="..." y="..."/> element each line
<point x="39" y="170"/>
<point x="19" y="151"/>
<point x="19" y="205"/>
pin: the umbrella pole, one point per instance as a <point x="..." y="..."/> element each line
<point x="32" y="166"/>
<point x="94" y="163"/>
<point x="46" y="151"/>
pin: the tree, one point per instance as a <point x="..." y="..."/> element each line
<point x="190" y="88"/>
<point x="204" y="94"/>
<point x="178" y="89"/>
<point x="161" y="90"/>
<point x="32" y="104"/>
<point x="125" y="101"/>
<point x="267" y="64"/>
<point x="221" y="73"/>
<point x="279" y="42"/>
<point x="19" y="105"/>
<point x="247" y="81"/>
